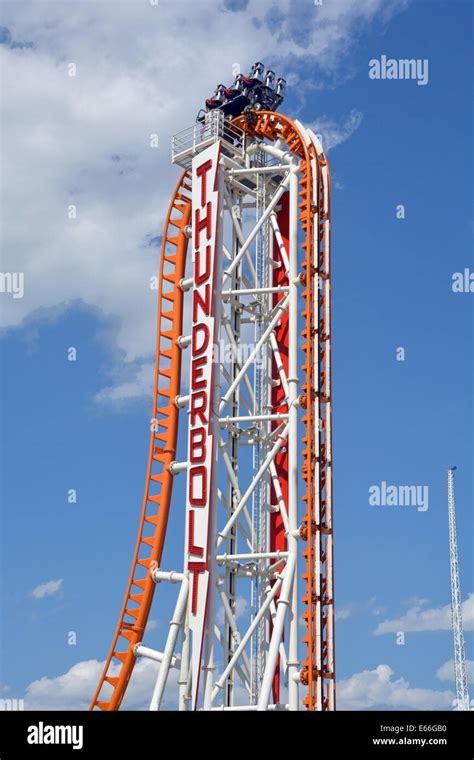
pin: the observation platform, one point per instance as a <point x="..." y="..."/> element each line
<point x="193" y="140"/>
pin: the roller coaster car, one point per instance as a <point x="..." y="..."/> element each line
<point x="259" y="90"/>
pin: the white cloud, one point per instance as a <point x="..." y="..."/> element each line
<point x="84" y="140"/>
<point x="369" y="689"/>
<point x="417" y="618"/>
<point x="75" y="689"/>
<point x="332" y="133"/>
<point x="47" y="589"/>
<point x="376" y="689"/>
<point x="139" y="385"/>
<point x="71" y="691"/>
<point x="343" y="613"/>
<point x="446" y="671"/>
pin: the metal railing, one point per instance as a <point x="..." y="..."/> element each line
<point x="193" y="140"/>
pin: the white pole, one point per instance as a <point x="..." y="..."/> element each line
<point x="153" y="654"/>
<point x="183" y="681"/>
<point x="293" y="660"/>
<point x="175" y="624"/>
<point x="279" y="623"/>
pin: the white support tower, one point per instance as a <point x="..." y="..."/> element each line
<point x="232" y="459"/>
<point x="462" y="694"/>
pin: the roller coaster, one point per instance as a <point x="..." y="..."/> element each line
<point x="243" y="354"/>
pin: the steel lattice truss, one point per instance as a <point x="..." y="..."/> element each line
<point x="460" y="677"/>
<point x="255" y="395"/>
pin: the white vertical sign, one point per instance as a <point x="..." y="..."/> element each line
<point x="204" y="400"/>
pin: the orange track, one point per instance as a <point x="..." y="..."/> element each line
<point x="154" y="517"/>
<point x="163" y="439"/>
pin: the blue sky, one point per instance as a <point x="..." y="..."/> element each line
<point x="84" y="425"/>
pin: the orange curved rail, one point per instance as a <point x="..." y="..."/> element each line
<point x="162" y="451"/>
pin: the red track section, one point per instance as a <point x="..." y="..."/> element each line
<point x="278" y="398"/>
